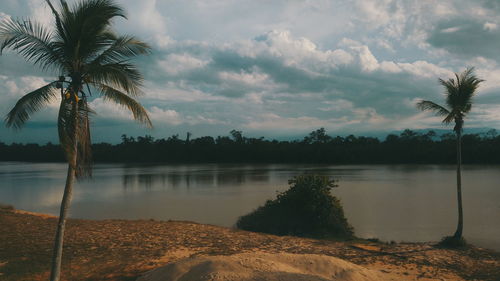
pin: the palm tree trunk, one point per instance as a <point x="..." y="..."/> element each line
<point x="55" y="273"/>
<point x="460" y="226"/>
<point x="58" y="242"/>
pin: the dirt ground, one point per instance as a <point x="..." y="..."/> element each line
<point x="125" y="249"/>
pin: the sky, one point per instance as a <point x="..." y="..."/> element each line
<point x="281" y="69"/>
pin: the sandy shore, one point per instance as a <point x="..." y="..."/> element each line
<point x="126" y="249"/>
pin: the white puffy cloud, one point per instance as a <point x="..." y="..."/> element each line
<point x="375" y="12"/>
<point x="40" y="11"/>
<point x="168" y="116"/>
<point x="177" y="63"/>
<point x="14" y="88"/>
<point x="146" y="21"/>
<point x="172" y="117"/>
<point x="490" y="26"/>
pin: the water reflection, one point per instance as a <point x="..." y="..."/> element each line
<point x="400" y="202"/>
<point x="151" y="179"/>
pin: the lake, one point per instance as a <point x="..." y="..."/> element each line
<point x="390" y="202"/>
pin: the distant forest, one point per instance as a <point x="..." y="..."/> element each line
<point x="317" y="147"/>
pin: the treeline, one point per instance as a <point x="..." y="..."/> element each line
<point x="317" y="147"/>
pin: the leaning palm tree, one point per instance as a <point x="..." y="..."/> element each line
<point x="458" y="97"/>
<point x="90" y="59"/>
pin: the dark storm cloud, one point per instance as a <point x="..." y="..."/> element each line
<point x="467" y="37"/>
<point x="491" y="4"/>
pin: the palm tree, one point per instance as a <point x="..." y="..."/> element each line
<point x="89" y="59"/>
<point x="458" y="98"/>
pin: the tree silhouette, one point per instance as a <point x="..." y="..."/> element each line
<point x="458" y="98"/>
<point x="89" y="57"/>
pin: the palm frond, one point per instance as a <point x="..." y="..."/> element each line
<point x="122" y="76"/>
<point x="450" y="117"/>
<point x="86" y="27"/>
<point x="116" y="96"/>
<point x="29" y="104"/>
<point x="59" y="26"/>
<point x="123" y="48"/>
<point x="459" y="92"/>
<point x="466" y="74"/>
<point x="450" y="86"/>
<point x="64" y="6"/>
<point x="99" y="11"/>
<point x="84" y="48"/>
<point x="426" y="105"/>
<point x="31" y="40"/>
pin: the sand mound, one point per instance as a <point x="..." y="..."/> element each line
<point x="263" y="267"/>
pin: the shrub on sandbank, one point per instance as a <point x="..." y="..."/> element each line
<point x="306" y="209"/>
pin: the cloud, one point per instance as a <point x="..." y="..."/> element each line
<point x="13" y="88"/>
<point x="376" y="12"/>
<point x="40" y="11"/>
<point x="288" y="66"/>
<point x="178" y="63"/>
<point x="288" y="80"/>
<point x="168" y="116"/>
<point x="492" y="5"/>
<point x="490" y="26"/>
<point x="172" y="117"/>
<point x="145" y="20"/>
<point x="467" y="37"/>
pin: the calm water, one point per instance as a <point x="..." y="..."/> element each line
<point x="401" y="203"/>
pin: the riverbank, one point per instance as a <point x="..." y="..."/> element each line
<point x="125" y="249"/>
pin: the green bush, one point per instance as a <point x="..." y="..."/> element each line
<point x="306" y="209"/>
